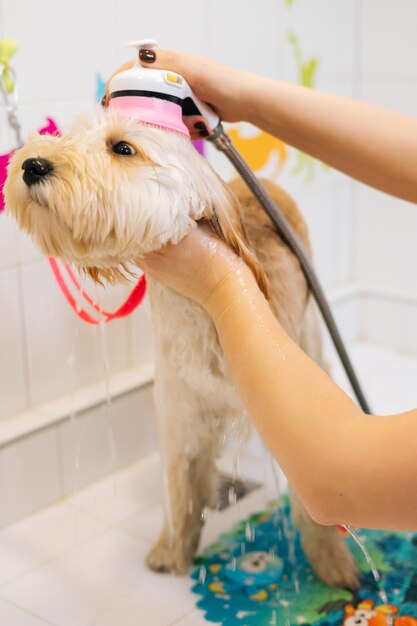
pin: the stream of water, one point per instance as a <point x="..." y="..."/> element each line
<point x="374" y="570"/>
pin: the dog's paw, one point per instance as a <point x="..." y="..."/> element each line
<point x="334" y="564"/>
<point x="162" y="558"/>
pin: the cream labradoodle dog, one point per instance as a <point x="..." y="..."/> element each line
<point x="112" y="189"/>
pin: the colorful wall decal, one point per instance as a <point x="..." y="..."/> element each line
<point x="8" y="48"/>
<point x="259" y="150"/>
<point x="307" y="70"/>
<point x="100" y="87"/>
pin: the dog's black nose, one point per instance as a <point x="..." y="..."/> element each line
<point x="36" y="170"/>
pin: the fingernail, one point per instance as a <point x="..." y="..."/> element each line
<point x="200" y="126"/>
<point x="147" y="56"/>
<point x="204" y="133"/>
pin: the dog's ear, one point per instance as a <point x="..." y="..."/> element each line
<point x="227" y="223"/>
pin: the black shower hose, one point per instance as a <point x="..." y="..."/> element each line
<point x="223" y="143"/>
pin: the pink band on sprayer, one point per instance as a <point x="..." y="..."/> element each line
<point x="153" y="111"/>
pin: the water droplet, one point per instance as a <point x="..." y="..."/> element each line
<point x="232" y="496"/>
<point x="375" y="572"/>
<point x="202" y="575"/>
<point x="249" y="532"/>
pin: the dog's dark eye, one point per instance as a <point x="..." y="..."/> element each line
<point x="121" y="147"/>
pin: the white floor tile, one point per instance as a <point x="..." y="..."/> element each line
<point x="32" y="541"/>
<point x="219" y="522"/>
<point x="104" y="582"/>
<point x="195" y="618"/>
<point x="12" y="616"/>
<point x="116" y="498"/>
<point x="147" y="525"/>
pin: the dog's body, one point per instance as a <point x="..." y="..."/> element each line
<point x="101" y="207"/>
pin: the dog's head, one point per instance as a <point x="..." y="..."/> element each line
<point x="113" y="189"/>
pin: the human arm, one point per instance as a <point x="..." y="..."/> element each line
<point x="369" y="143"/>
<point x="347" y="467"/>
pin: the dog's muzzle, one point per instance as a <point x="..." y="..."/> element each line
<point x="36" y="170"/>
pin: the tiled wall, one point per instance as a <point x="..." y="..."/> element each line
<point x="385" y="251"/>
<point x="45" y="352"/>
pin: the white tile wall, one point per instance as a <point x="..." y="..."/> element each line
<point x="118" y="497"/>
<point x="327" y="214"/>
<point x="388" y="43"/>
<point x="8" y="241"/>
<point x="326" y="31"/>
<point x="386" y="254"/>
<point x="30" y="476"/>
<point x="389" y="319"/>
<point x="183" y="24"/>
<point x="39" y="469"/>
<point x="62" y="45"/>
<point x="12" y="366"/>
<point x="141" y="335"/>
<point x="102" y="440"/>
<point x="241" y="38"/>
<point x="409" y="317"/>
<point x="392" y="92"/>
<point x="68" y="339"/>
<point x="380" y="321"/>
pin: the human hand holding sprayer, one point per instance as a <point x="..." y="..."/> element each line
<point x="299" y="412"/>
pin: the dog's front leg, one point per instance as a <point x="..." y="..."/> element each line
<point x="326" y="549"/>
<point x="189" y="487"/>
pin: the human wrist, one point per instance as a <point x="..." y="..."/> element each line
<point x="236" y="287"/>
<point x="248" y="96"/>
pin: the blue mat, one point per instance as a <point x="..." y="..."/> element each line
<point x="250" y="576"/>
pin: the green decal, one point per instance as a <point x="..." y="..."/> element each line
<point x="307" y="70"/>
<point x="8" y="48"/>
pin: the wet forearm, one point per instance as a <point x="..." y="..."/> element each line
<point x="371" y="144"/>
<point x="331" y="452"/>
<point x="296" y="408"/>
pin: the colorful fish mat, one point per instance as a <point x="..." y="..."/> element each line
<point x="258" y="575"/>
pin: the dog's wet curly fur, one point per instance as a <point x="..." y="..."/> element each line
<point x="101" y="208"/>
